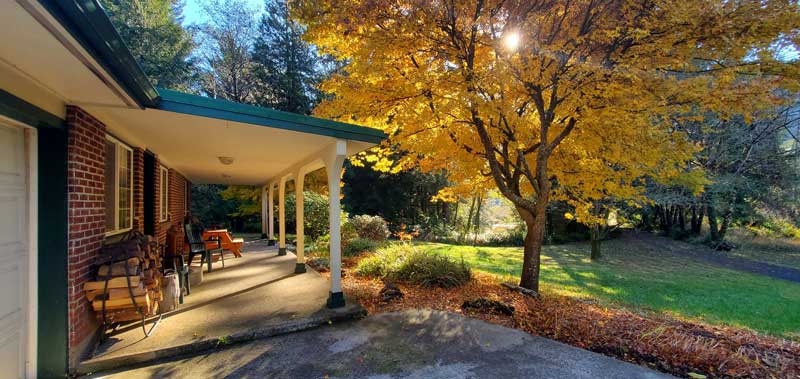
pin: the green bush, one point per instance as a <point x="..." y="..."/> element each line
<point x="349" y="231"/>
<point x="357" y="246"/>
<point x="315" y="214"/>
<point x="370" y="227"/>
<point x="402" y="262"/>
<point x="513" y="237"/>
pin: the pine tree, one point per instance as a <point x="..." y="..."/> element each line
<point x="153" y="33"/>
<point x="288" y="68"/>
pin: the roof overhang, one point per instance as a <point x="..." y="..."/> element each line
<point x="191" y="133"/>
<point x="89" y="25"/>
<point x="67" y="52"/>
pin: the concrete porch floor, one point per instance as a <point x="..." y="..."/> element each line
<point x="255" y="296"/>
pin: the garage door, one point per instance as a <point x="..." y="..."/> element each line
<point x="13" y="251"/>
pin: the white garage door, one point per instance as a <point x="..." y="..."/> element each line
<point x="14" y="251"/>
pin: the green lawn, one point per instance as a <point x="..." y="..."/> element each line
<point x="637" y="274"/>
<point x="773" y="250"/>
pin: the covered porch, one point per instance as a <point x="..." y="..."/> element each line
<point x="210" y="141"/>
<point x="255" y="296"/>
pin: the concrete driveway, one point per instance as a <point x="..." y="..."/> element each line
<point x="409" y="344"/>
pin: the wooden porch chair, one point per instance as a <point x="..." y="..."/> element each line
<point x="197" y="245"/>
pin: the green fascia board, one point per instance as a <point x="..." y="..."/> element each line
<point x="88" y="23"/>
<point x="173" y="101"/>
<point x="25" y="112"/>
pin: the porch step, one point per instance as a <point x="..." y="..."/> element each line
<point x="352" y="310"/>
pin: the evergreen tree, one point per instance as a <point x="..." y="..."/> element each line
<point x="152" y="30"/>
<point x="288" y="68"/>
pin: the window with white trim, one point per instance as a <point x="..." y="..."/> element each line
<point x="163" y="212"/>
<point x="118" y="186"/>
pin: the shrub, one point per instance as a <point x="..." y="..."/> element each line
<point x="320" y="264"/>
<point x="320" y="247"/>
<point x="315" y="213"/>
<point x="357" y="246"/>
<point x="513" y="237"/>
<point x="404" y="263"/>
<point x="370" y="227"/>
<point x="349" y="231"/>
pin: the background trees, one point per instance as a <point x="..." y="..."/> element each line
<point x="226" y="47"/>
<point x="658" y="112"/>
<point x="288" y="68"/>
<point x="573" y="100"/>
<point x="152" y="30"/>
<point x="750" y="169"/>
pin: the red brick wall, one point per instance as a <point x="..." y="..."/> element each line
<point x="85" y="174"/>
<point x="86" y="203"/>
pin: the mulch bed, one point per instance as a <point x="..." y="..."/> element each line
<point x="673" y="346"/>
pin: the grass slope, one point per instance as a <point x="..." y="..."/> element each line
<point x="641" y="275"/>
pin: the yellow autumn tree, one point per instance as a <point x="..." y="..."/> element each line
<point x="570" y="99"/>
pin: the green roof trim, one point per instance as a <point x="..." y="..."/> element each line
<point x="179" y="102"/>
<point x="25" y="112"/>
<point x="88" y="23"/>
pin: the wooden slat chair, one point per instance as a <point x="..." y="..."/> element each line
<point x="197" y="245"/>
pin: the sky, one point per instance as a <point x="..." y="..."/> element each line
<point x="193" y="10"/>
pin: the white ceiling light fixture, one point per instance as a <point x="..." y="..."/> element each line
<point x="226" y="160"/>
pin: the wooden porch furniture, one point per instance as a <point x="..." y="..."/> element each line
<point x="234" y="245"/>
<point x="201" y="246"/>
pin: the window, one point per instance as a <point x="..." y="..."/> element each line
<point x="119" y="186"/>
<point x="163" y="212"/>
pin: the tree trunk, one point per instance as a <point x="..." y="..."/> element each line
<point x="455" y="213"/>
<point x="535" y="222"/>
<point x="723" y="228"/>
<point x="697" y="219"/>
<point x="595" y="255"/>
<point x="477" y="223"/>
<point x="468" y="221"/>
<point x="713" y="229"/>
<point x="662" y="217"/>
<point x="681" y="218"/>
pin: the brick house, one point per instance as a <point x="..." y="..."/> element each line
<point x="90" y="149"/>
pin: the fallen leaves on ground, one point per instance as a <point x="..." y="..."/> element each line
<point x="677" y="347"/>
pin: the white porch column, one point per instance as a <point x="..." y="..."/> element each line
<point x="282" y="216"/>
<point x="333" y="165"/>
<point x="271" y="213"/>
<point x="264" y="221"/>
<point x="300" y="266"/>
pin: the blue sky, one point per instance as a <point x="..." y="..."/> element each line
<point x="193" y="10"/>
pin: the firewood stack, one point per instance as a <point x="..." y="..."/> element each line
<point x="139" y="258"/>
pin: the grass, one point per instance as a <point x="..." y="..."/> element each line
<point x="645" y="277"/>
<point x="780" y="251"/>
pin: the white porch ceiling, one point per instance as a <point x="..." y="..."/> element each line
<point x="193" y="144"/>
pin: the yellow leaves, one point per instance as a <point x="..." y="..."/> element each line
<point x="445" y="195"/>
<point x="694" y="180"/>
<point x="636" y="73"/>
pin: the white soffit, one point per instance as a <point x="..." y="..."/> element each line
<point x="193" y="144"/>
<point x="41" y="51"/>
